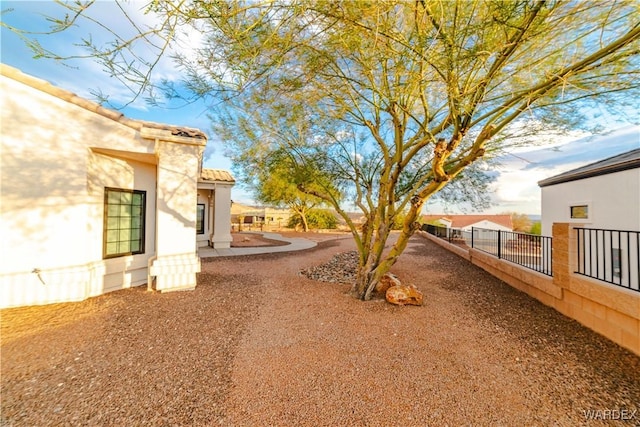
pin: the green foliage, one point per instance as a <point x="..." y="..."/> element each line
<point x="276" y="183"/>
<point x="269" y="166"/>
<point x="319" y="219"/>
<point x="469" y="191"/>
<point x="398" y="221"/>
<point x="536" y="228"/>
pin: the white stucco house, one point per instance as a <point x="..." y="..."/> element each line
<point x="467" y="222"/>
<point x="484" y="227"/>
<point x="602" y="201"/>
<point x="603" y="195"/>
<point x="92" y="201"/>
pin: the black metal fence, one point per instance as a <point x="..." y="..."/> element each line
<point x="530" y="251"/>
<point x="612" y="256"/>
<point x="452" y="235"/>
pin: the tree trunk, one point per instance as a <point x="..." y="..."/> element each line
<point x="372" y="266"/>
<point x="363" y="281"/>
<point x="369" y="275"/>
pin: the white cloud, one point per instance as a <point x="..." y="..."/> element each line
<point x="517" y="182"/>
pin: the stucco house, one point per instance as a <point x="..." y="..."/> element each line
<point x="603" y="195"/>
<point x="261" y="216"/>
<point x="601" y="201"/>
<point x="92" y="201"/>
<point x="485" y="225"/>
<point x="467" y="222"/>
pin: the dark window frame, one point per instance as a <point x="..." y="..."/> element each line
<point x="107" y="238"/>
<point x="579" y="211"/>
<point x="200" y="222"/>
<point x="616" y="262"/>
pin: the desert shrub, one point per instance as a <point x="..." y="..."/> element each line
<point x="536" y="228"/>
<point x="316" y="219"/>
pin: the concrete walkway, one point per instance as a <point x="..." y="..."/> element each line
<point x="294" y="244"/>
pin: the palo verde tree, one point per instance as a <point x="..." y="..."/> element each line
<point x="262" y="146"/>
<point x="274" y="187"/>
<point x="402" y="96"/>
<point x="275" y="181"/>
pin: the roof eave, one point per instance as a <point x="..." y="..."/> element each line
<point x="619" y="167"/>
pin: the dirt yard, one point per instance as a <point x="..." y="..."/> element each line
<point x="259" y="344"/>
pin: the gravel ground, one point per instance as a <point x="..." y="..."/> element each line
<point x="259" y="343"/>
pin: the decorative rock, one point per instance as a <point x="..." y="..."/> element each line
<point x="340" y="269"/>
<point x="403" y="295"/>
<point x="387" y="281"/>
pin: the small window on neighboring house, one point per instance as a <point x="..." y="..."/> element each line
<point x="579" y="212"/>
<point x="200" y="220"/>
<point x="124" y="213"/>
<point x="616" y="262"/>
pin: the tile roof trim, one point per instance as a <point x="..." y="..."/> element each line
<point x="216" y="175"/>
<point x="72" y="98"/>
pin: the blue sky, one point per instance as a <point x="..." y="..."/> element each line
<point x="85" y="76"/>
<point x="516" y="186"/>
<point x="519" y="172"/>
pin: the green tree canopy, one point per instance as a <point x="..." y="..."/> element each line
<point x="275" y="180"/>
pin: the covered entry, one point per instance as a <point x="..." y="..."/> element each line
<point x="213" y="226"/>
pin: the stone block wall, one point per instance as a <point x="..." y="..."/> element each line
<point x="609" y="310"/>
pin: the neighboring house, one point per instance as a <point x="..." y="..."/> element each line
<point x="603" y="195"/>
<point x="92" y="201"/>
<point x="259" y="215"/>
<point x="485" y="225"/>
<point x="602" y="201"/>
<point x="276" y="217"/>
<point x="467" y="222"/>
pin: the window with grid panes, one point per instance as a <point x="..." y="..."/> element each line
<point x="124" y="213"/>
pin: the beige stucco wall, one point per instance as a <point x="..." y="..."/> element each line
<point x="221" y="233"/>
<point x="56" y="159"/>
<point x="176" y="262"/>
<point x="108" y="171"/>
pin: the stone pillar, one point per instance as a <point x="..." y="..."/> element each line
<point x="176" y="262"/>
<point x="565" y="255"/>
<point x="560" y="256"/>
<point x="222" y="217"/>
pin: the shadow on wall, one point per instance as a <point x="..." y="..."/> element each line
<point x="52" y="176"/>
